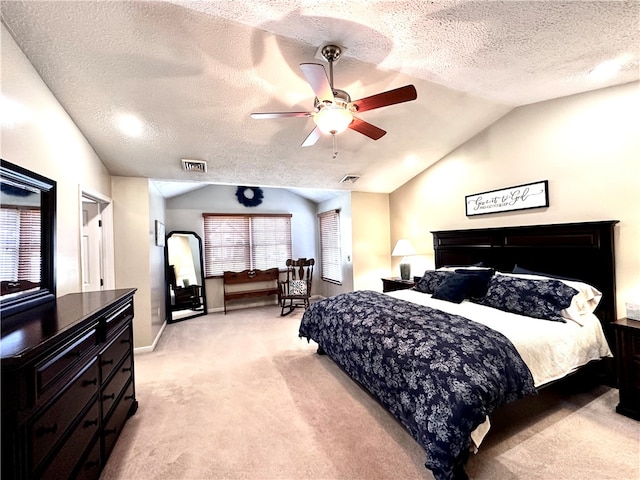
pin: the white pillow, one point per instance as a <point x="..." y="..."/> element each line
<point x="297" y="287"/>
<point x="583" y="303"/>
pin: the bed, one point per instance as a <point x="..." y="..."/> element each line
<point x="506" y="312"/>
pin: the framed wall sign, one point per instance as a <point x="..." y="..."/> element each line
<point x="520" y="197"/>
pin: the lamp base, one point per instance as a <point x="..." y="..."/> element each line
<point x="405" y="271"/>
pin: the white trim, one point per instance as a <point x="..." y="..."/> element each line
<point x="106" y="213"/>
<point x="152" y="347"/>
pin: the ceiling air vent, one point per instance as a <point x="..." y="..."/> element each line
<point x="350" y="179"/>
<point x="194" y="165"/>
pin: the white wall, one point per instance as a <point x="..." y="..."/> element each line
<point x="587" y="146"/>
<point x="343" y="203"/>
<point x="47" y="142"/>
<point x="371" y="240"/>
<point x="184" y="212"/>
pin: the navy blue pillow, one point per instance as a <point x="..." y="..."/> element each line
<point x="543" y="299"/>
<point x="454" y="288"/>
<point x="478" y="283"/>
<point x="525" y="271"/>
<point x="431" y="280"/>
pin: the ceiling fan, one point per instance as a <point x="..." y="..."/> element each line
<point x="334" y="111"/>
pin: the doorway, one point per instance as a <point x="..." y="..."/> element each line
<point x="96" y="242"/>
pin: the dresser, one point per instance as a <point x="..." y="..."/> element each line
<point x="67" y="385"/>
<point x="627" y="333"/>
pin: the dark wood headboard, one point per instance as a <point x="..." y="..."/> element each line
<point x="582" y="251"/>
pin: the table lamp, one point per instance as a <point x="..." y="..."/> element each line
<point x="403" y="249"/>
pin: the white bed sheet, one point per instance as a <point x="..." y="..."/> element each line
<point x="551" y="350"/>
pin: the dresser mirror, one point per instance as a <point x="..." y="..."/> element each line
<point x="27" y="241"/>
<point x="186" y="297"/>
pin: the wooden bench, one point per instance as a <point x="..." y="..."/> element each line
<point x="250" y="276"/>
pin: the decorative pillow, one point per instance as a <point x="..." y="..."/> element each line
<point x="584" y="302"/>
<point x="454" y="288"/>
<point x="463" y="284"/>
<point x="431" y="280"/>
<point x="543" y="299"/>
<point x="479" y="282"/>
<point x="297" y="287"/>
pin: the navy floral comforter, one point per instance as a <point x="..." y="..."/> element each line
<point x="439" y="374"/>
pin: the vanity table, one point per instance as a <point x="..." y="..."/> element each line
<point x="67" y="384"/>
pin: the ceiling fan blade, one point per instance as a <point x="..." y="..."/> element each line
<point x="367" y="129"/>
<point x="261" y="116"/>
<point x="312" y="138"/>
<point x="391" y="97"/>
<point x="316" y="75"/>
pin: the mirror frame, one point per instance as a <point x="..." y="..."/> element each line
<point x="169" y="312"/>
<point x="47" y="187"/>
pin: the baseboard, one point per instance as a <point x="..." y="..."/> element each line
<point x="151" y="347"/>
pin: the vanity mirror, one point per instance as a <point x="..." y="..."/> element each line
<point x="186" y="297"/>
<point x="27" y="241"/>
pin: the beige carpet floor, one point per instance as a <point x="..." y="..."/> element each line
<point x="240" y="396"/>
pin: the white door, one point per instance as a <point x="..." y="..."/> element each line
<point x="91" y="247"/>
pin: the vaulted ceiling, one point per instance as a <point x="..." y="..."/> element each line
<point x="192" y="72"/>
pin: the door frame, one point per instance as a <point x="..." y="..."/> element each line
<point x="108" y="256"/>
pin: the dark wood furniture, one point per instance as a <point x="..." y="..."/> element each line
<point x="583" y="251"/>
<point x="627" y="334"/>
<point x="396" y="283"/>
<point x="268" y="277"/>
<point x="295" y="290"/>
<point x="187" y="298"/>
<point x="67" y="385"/>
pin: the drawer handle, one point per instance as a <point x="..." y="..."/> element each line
<point x="126" y="369"/>
<point x="91" y="464"/>
<point x="109" y="397"/>
<point x="40" y="431"/>
<point x="107" y="362"/>
<point x="73" y="354"/>
<point x="86" y="383"/>
<point x="125" y="341"/>
<point x="90" y="423"/>
<point x="110" y="431"/>
<point x="129" y="397"/>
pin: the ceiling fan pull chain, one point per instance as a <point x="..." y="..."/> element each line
<point x="335" y="145"/>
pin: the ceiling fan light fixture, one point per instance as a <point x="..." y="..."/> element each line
<point x="333" y="119"/>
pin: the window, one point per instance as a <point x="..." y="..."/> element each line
<point x="330" y="257"/>
<point x="20" y="244"/>
<point x="245" y="242"/>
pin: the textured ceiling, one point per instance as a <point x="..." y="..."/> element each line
<point x="193" y="71"/>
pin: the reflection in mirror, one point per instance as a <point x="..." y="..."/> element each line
<point x="186" y="296"/>
<point x="27" y="216"/>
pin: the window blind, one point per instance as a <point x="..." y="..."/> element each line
<point x="330" y="256"/>
<point x="20" y="239"/>
<point x="245" y="242"/>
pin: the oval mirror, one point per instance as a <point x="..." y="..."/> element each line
<point x="184" y="267"/>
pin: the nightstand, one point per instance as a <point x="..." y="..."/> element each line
<point x="396" y="283"/>
<point x="627" y="333"/>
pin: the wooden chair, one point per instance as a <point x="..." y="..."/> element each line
<point x="296" y="289"/>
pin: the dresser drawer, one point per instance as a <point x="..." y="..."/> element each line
<point x="64" y="359"/>
<point x="635" y="345"/>
<point x="91" y="465"/>
<point x="56" y="419"/>
<point x="117" y="317"/>
<point x="115" y="424"/>
<point x="65" y="459"/>
<point x="114" y="353"/>
<point x="112" y="391"/>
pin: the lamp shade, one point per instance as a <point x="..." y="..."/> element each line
<point x="403" y="248"/>
<point x="333" y="119"/>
